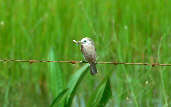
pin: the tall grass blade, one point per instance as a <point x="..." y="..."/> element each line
<point x="107" y="94"/>
<point x="58" y="98"/>
<point x="74" y="83"/>
<point x="6" y="97"/>
<point x="101" y="95"/>
<point x="56" y="82"/>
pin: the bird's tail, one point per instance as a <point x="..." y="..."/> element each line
<point x="93" y="69"/>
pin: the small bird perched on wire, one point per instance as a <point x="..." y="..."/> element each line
<point x="89" y="51"/>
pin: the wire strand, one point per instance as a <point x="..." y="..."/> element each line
<point x="76" y="62"/>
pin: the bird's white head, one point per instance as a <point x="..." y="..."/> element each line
<point x="86" y="41"/>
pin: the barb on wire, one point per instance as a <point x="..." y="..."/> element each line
<point x="76" y="62"/>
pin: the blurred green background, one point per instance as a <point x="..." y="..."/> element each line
<point x="123" y="31"/>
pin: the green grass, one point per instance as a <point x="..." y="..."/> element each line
<point x="125" y="31"/>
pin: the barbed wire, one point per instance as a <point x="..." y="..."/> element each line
<point x="76" y="62"/>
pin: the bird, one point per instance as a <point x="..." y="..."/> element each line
<point x="89" y="52"/>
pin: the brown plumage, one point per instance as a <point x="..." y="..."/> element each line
<point x="89" y="51"/>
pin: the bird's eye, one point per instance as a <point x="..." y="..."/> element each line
<point x="85" y="41"/>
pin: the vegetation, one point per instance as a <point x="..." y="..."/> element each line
<point x="123" y="31"/>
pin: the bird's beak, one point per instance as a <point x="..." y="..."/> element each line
<point x="79" y="42"/>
